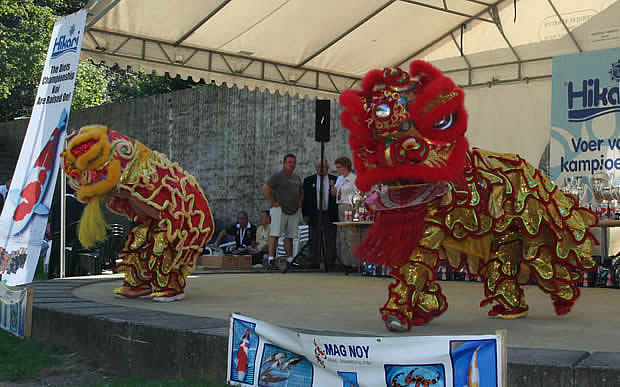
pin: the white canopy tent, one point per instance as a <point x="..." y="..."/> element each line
<point x="320" y="47"/>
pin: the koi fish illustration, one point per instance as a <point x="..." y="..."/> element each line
<point x="414" y="380"/>
<point x="269" y="378"/>
<point x="319" y="354"/>
<point x="242" y="356"/>
<point x="287" y="365"/>
<point x="473" y="375"/>
<point x="30" y="199"/>
<point x="276" y="361"/>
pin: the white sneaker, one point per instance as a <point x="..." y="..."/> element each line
<point x="178" y="297"/>
<point x="393" y="324"/>
<point x="257" y="266"/>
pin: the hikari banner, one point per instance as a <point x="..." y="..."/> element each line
<point x="585" y="120"/>
<point x="24" y="217"/>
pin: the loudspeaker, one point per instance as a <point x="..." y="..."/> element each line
<point x="322" y="120"/>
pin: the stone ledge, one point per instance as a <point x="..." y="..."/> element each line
<point x="135" y="349"/>
<point x="599" y="369"/>
<point x="542" y="367"/>
<point x="147" y="343"/>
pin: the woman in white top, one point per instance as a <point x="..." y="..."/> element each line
<point x="343" y="190"/>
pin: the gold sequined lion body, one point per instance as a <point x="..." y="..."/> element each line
<point x="435" y="200"/>
<point x="132" y="180"/>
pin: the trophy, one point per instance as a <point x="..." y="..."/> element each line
<point x="605" y="192"/>
<point x="357" y="201"/>
<point x="601" y="187"/>
<point x="578" y="189"/>
<point x="574" y="187"/>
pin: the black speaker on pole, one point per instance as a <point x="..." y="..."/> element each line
<point x="322" y="120"/>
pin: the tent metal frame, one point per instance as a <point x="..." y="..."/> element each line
<point x="489" y="14"/>
<point x="227" y="58"/>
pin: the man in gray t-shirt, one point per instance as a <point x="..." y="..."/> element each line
<point x="285" y="192"/>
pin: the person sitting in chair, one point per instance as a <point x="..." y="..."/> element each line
<point x="262" y="240"/>
<point x="244" y="233"/>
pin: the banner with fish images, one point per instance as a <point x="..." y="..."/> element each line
<point x="16" y="310"/>
<point x="262" y="354"/>
<point x="24" y="216"/>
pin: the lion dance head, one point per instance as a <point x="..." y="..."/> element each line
<point x="406" y="128"/>
<point x="94" y="159"/>
<point x="407" y="134"/>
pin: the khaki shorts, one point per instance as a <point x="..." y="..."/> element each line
<point x="284" y="225"/>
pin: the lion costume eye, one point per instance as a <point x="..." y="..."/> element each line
<point x="444" y="123"/>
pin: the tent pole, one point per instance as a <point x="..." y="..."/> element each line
<point x="63" y="222"/>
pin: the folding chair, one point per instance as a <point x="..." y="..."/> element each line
<point x="112" y="245"/>
<point x="228" y="247"/>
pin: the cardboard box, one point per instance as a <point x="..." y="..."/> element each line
<point x="229" y="262"/>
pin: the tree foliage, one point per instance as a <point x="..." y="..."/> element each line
<point x="62" y="7"/>
<point x="24" y="36"/>
<point x="91" y="85"/>
<point x="25" y="30"/>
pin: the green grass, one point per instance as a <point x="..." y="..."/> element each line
<point x="27" y="360"/>
<point x="134" y="382"/>
<point x="23" y="358"/>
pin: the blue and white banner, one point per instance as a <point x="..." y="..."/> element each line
<point x="262" y="354"/>
<point x="585" y="117"/>
<point x="24" y="217"/>
<point x="14" y="310"/>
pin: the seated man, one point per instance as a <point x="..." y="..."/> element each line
<point x="262" y="240"/>
<point x="244" y="233"/>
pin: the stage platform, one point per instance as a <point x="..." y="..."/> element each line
<point x="141" y="336"/>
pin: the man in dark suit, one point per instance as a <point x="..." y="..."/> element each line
<point x="319" y="215"/>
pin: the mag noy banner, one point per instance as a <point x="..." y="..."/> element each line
<point x="24" y="217"/>
<point x="261" y="354"/>
<point x="585" y="119"/>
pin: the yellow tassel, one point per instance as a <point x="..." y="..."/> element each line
<point x="93" y="227"/>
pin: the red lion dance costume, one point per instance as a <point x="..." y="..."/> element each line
<point x="437" y="200"/>
<point x="143" y="185"/>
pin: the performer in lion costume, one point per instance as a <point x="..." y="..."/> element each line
<point x="437" y="200"/>
<point x="105" y="167"/>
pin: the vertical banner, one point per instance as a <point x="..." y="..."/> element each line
<point x="16" y="310"/>
<point x="585" y="119"/>
<point x="24" y="217"/>
<point x="261" y="354"/>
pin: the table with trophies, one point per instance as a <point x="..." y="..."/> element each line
<point x="359" y="228"/>
<point x="608" y="195"/>
<point x="358" y="220"/>
<point x="607" y="198"/>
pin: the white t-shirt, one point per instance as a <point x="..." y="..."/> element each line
<point x="345" y="188"/>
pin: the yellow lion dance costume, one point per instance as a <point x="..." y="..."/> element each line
<point x="437" y="200"/>
<point x="132" y="180"/>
